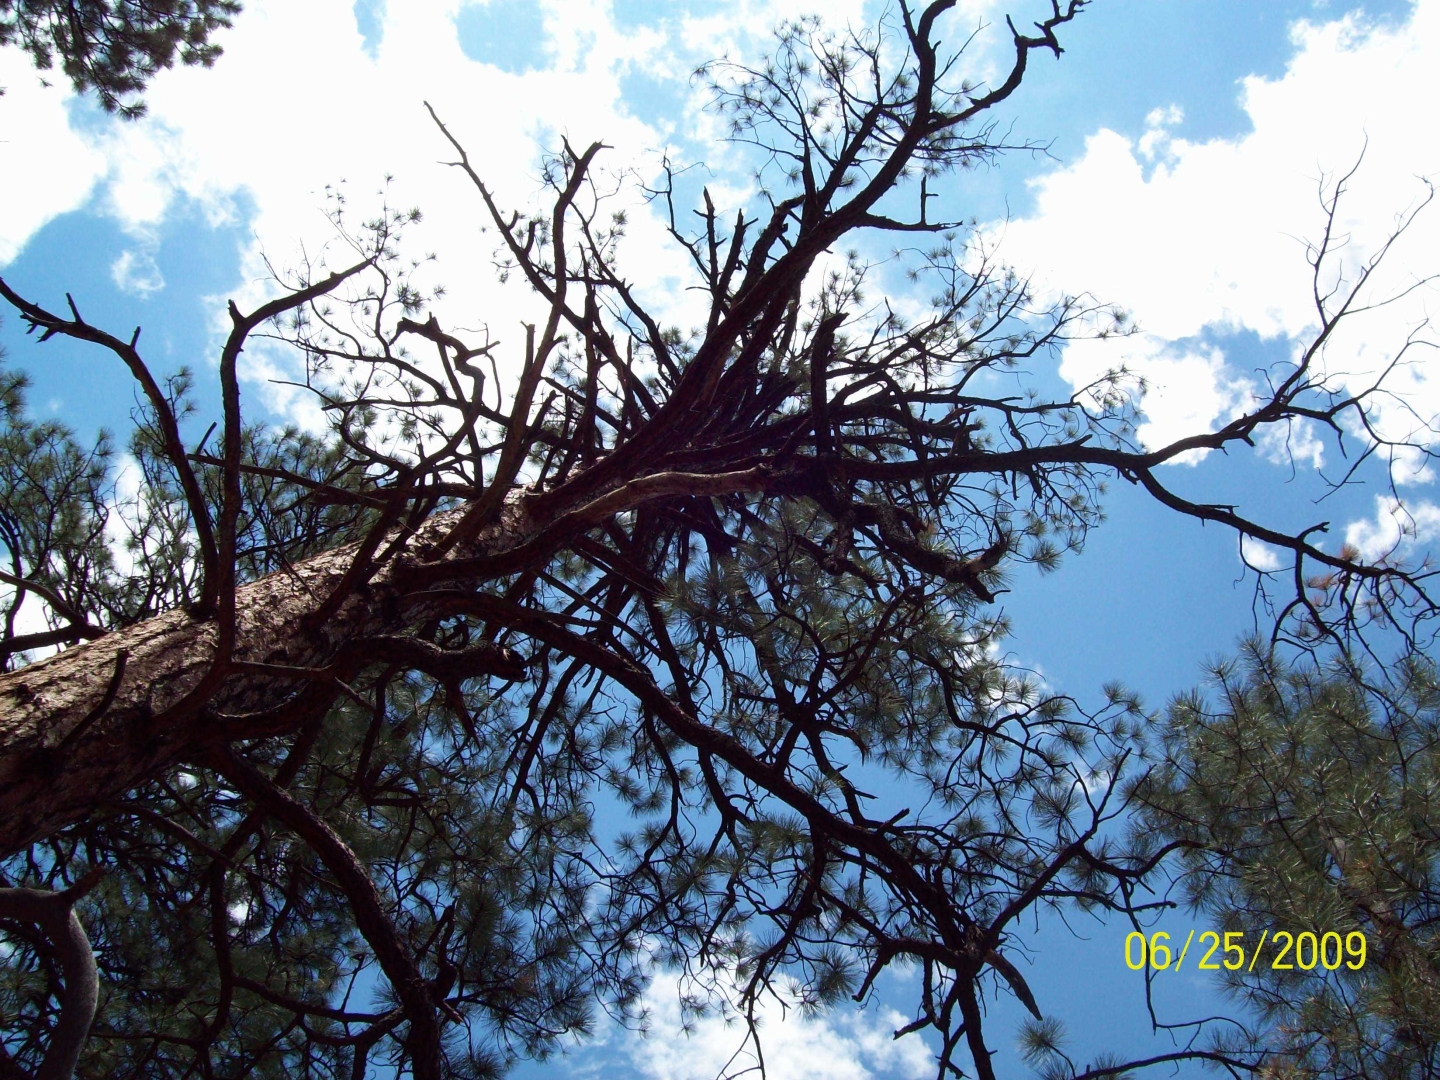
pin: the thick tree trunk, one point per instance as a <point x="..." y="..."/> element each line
<point x="73" y="736"/>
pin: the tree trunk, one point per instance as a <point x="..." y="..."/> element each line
<point x="73" y="735"/>
<point x="89" y="724"/>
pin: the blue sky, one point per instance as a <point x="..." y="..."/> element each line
<point x="1184" y="142"/>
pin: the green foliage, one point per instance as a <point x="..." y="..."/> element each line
<point x="114" y="47"/>
<point x="219" y="937"/>
<point x="203" y="893"/>
<point x="1311" y="797"/>
<point x="53" y="515"/>
<point x="703" y="670"/>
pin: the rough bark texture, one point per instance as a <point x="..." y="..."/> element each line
<point x="710" y="662"/>
<point x="70" y="739"/>
<point x="58" y="760"/>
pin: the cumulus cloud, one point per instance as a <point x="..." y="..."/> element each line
<point x="1410" y="465"/>
<point x="1294" y="443"/>
<point x="1259" y="554"/>
<point x="30" y="617"/>
<point x="1396" y="525"/>
<point x="49" y="168"/>
<point x="124" y="518"/>
<point x="298" y="102"/>
<point x="301" y="101"/>
<point x="1199" y="240"/>
<point x="840" y="1045"/>
<point x="1184" y="389"/>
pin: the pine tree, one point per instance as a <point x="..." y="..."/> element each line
<point x="1309" y="801"/>
<point x="114" y="47"/>
<point x="360" y="711"/>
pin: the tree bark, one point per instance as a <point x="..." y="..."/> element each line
<point x="98" y="719"/>
<point x="54" y="913"/>
<point x="63" y="750"/>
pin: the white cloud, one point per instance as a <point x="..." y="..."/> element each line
<point x="1186" y="390"/>
<point x="1191" y="237"/>
<point x="731" y="28"/>
<point x="1410" y="465"/>
<point x="1156" y="138"/>
<point x="1200" y="238"/>
<point x="1395" y="525"/>
<point x="30" y="618"/>
<point x="49" y="169"/>
<point x="1097" y="783"/>
<point x="839" y="1045"/>
<point x="1295" y="443"/>
<point x="136" y="273"/>
<point x="124" y="519"/>
<point x="297" y="103"/>
<point x="1259" y="554"/>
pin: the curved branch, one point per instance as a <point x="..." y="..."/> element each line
<point x="54" y="913"/>
<point x="400" y="969"/>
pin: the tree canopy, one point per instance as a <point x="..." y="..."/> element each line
<point x="629" y="645"/>
<point x="114" y="47"/>
<point x="1307" y="801"/>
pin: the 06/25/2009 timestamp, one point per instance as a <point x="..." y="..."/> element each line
<point x="1304" y="951"/>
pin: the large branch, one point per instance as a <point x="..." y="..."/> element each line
<point x="60" y="754"/>
<point x="54" y="914"/>
<point x="410" y="986"/>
